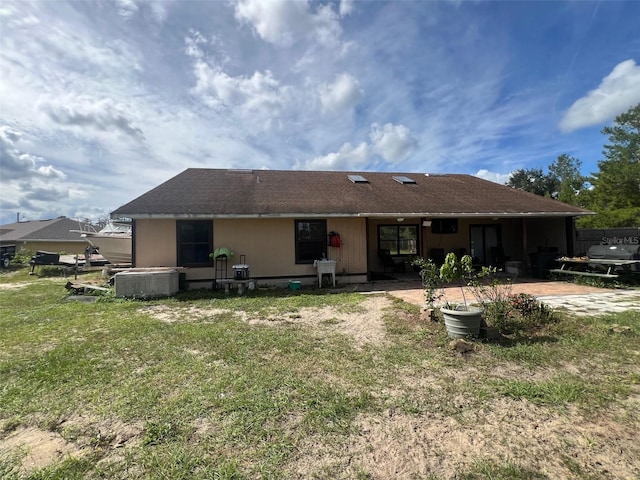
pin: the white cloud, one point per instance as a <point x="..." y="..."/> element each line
<point x="347" y="158"/>
<point x="259" y="92"/>
<point x="84" y="111"/>
<point x="19" y="165"/>
<point x="346" y="8"/>
<point x="193" y="42"/>
<point x="126" y="8"/>
<point x="496" y="177"/>
<point x="283" y="22"/>
<point x="618" y="91"/>
<point x="45" y="194"/>
<point x="393" y="142"/>
<point x="50" y="171"/>
<point x="342" y="94"/>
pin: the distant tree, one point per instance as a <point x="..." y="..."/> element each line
<point x="569" y="180"/>
<point x="535" y="181"/>
<point x="615" y="196"/>
<point x="102" y="221"/>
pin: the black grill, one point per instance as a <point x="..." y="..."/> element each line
<point x="614" y="252"/>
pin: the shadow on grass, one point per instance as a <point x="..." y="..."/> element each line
<point x="204" y="294"/>
<point x="520" y="340"/>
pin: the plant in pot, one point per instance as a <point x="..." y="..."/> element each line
<point x="221" y="252"/>
<point x="462" y="320"/>
<point x="220" y="257"/>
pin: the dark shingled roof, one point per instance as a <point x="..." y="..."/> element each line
<point x="56" y="229"/>
<point x="210" y="193"/>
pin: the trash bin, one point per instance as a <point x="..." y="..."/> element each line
<point x="542" y="261"/>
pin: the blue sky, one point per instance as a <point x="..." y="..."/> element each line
<point x="100" y="101"/>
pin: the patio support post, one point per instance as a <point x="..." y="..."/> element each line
<point x="524" y="242"/>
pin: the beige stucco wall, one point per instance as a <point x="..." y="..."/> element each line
<point x="352" y="256"/>
<point x="155" y="242"/>
<point x="268" y="244"/>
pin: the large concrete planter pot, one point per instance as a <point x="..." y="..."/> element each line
<point x="462" y="322"/>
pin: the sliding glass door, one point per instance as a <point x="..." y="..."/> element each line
<point x="486" y="244"/>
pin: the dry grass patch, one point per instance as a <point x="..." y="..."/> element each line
<point x="364" y="323"/>
<point x="554" y="443"/>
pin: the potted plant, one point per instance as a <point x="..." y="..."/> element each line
<point x="220" y="257"/>
<point x="221" y="252"/>
<point x="462" y="320"/>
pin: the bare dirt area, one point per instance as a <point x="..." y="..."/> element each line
<point x="74" y="437"/>
<point x="364" y="326"/>
<point x="13" y="286"/>
<point x="37" y="448"/>
<point x="549" y="443"/>
<point x="18" y="285"/>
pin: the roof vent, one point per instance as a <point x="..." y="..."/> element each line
<point x="403" y="179"/>
<point x="357" y="179"/>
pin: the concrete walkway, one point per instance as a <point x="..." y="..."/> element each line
<point x="579" y="299"/>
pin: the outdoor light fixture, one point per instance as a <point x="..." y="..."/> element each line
<point x="400" y="219"/>
<point x="426" y="223"/>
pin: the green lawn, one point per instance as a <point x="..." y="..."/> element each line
<point x="280" y="384"/>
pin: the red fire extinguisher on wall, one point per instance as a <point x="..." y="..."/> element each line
<point x="334" y="240"/>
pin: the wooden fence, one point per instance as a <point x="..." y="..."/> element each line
<point x="605" y="236"/>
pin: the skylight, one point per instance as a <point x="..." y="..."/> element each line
<point x="403" y="179"/>
<point x="357" y="179"/>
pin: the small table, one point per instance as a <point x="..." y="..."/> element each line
<point x="228" y="282"/>
<point x="328" y="267"/>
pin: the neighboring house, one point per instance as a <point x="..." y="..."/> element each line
<point x="283" y="221"/>
<point x="47" y="235"/>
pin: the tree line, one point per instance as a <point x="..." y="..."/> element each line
<point x="613" y="192"/>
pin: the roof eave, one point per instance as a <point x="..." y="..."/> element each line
<point x="208" y="216"/>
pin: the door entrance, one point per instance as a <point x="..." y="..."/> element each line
<point x="486" y="245"/>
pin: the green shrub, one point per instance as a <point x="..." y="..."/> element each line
<point x="22" y="258"/>
<point x="519" y="313"/>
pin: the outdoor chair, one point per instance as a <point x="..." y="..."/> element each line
<point x="387" y="260"/>
<point x="437" y="255"/>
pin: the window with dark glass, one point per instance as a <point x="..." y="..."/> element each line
<point x="398" y="239"/>
<point x="195" y="243"/>
<point x="311" y="240"/>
